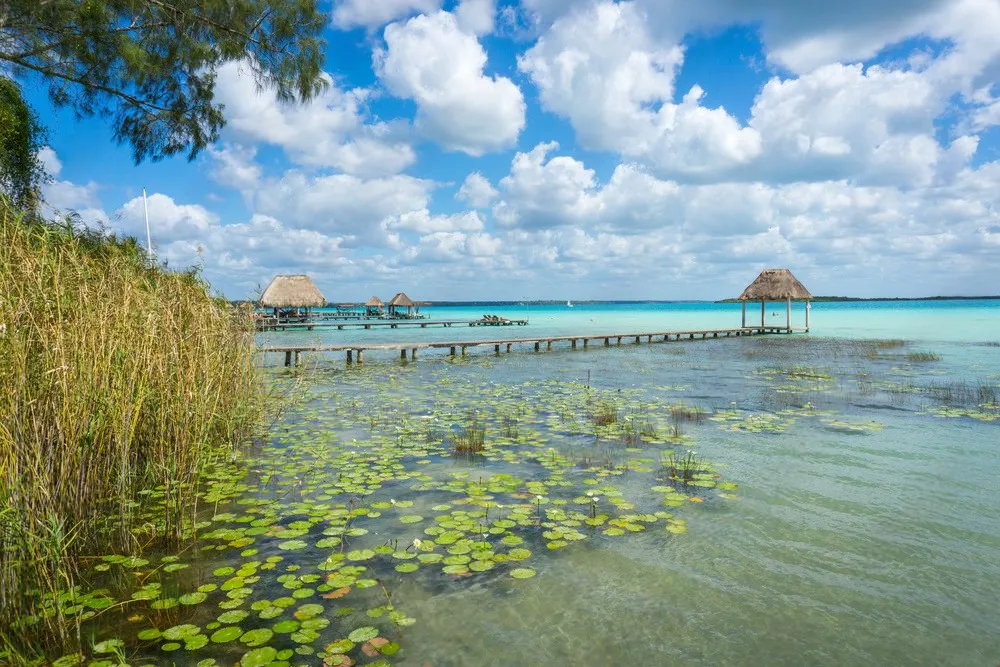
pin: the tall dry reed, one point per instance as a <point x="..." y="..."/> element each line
<point x="116" y="376"/>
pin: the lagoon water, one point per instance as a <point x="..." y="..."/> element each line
<point x="864" y="528"/>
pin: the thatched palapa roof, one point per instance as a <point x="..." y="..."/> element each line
<point x="375" y="302"/>
<point x="292" y="292"/>
<point x="402" y="301"/>
<point x="775" y="285"/>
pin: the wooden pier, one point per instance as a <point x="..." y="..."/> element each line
<point x="383" y="324"/>
<point x="355" y="351"/>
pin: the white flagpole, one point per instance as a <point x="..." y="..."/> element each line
<point x="145" y="209"/>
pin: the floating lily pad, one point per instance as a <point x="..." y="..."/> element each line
<point x="108" y="645"/>
<point x="522" y="573"/>
<point x="363" y="634"/>
<point x="258" y="657"/>
<point x="227" y="634"/>
<point x="257" y="637"/>
<point x="192" y="598"/>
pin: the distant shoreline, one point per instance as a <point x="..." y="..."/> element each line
<point x="557" y="302"/>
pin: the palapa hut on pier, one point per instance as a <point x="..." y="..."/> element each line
<point x="292" y="296"/>
<point x="403" y="306"/>
<point x="776" y="285"/>
<point x="374" y="307"/>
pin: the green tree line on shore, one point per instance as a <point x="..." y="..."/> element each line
<point x="120" y="380"/>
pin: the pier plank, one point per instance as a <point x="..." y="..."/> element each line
<point x="359" y="349"/>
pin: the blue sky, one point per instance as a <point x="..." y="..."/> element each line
<point x="581" y="149"/>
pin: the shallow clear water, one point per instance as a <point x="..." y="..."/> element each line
<point x="864" y="530"/>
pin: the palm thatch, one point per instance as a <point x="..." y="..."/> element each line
<point x="775" y="285"/>
<point x="375" y="302"/>
<point x="401" y="301"/>
<point x="292" y="292"/>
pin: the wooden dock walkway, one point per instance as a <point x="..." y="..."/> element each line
<point x="355" y="351"/>
<point x="384" y="324"/>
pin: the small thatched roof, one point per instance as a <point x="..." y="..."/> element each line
<point x="775" y="285"/>
<point x="292" y="292"/>
<point x="375" y="302"/>
<point x="401" y="301"/>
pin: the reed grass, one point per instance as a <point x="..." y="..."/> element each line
<point x="116" y="376"/>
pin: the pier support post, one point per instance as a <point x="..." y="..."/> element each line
<point x="413" y="354"/>
<point x="808" y="308"/>
<point x="763" y="307"/>
<point x="573" y="345"/>
<point x="288" y="358"/>
<point x="649" y="339"/>
<point x="296" y="357"/>
<point x="788" y="314"/>
<point x="361" y="356"/>
<point x="453" y="350"/>
<point x="744" y="325"/>
<point x="464" y="350"/>
<point x="496" y="348"/>
<point x="637" y="340"/>
<point x="607" y="342"/>
<point x="402" y="355"/>
<point x="619" y="340"/>
<point x="548" y="345"/>
<point x="585" y="341"/>
<point x="536" y="346"/>
<point x="350" y="356"/>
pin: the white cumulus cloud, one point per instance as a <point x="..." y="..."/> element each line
<point x="434" y="62"/>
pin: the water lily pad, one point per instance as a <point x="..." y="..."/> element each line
<point x="192" y="598"/>
<point x="258" y="657"/>
<point x="292" y="545"/>
<point x="108" y="645"/>
<point x="226" y="634"/>
<point x="411" y="518"/>
<point x="257" y="637"/>
<point x="363" y="634"/>
<point x="339" y="647"/>
<point x="179" y="632"/>
<point x="522" y="573"/>
<point x="285" y="627"/>
<point x="234" y="616"/>
<point x="407" y="567"/>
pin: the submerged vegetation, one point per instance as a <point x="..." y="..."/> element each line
<point x="121" y="382"/>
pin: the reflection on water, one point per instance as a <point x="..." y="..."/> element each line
<point x="863" y="531"/>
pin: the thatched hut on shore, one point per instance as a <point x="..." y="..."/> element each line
<point x="374" y="307"/>
<point x="403" y="306"/>
<point x="776" y="285"/>
<point x="292" y="296"/>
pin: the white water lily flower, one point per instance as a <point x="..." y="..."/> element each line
<point x="539" y="498"/>
<point x="392" y="501"/>
<point x="417" y="543"/>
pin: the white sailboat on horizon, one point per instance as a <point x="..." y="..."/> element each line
<point x="569" y="304"/>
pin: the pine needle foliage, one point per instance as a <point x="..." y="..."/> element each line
<point x="150" y="65"/>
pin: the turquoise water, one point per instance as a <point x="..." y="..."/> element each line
<point x="930" y="321"/>
<point x="846" y="510"/>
